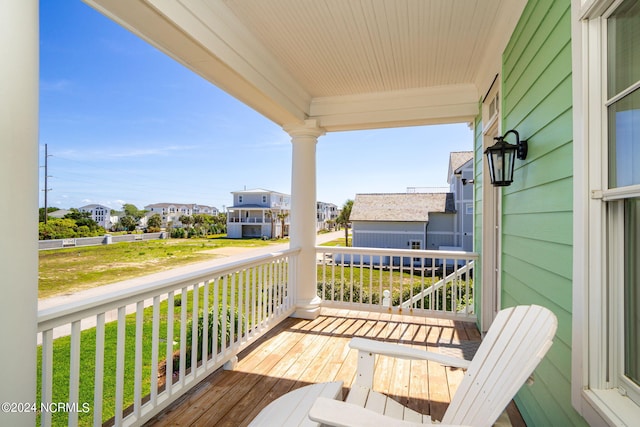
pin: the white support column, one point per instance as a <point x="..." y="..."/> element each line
<point x="19" y="192"/>
<point x="303" y="215"/>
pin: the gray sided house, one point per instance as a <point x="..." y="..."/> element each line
<point x="460" y="180"/>
<point x="403" y="221"/>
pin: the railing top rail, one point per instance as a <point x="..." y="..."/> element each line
<point x="66" y="313"/>
<point x="397" y="252"/>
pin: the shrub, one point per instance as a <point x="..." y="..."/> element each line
<point x="344" y="292"/>
<point x="178" y="233"/>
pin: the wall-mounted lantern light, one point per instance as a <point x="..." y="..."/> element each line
<point x="501" y="157"/>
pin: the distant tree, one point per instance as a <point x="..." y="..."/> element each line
<point x="220" y="222"/>
<point x="186" y="220"/>
<point x="128" y="223"/>
<point x="282" y="216"/>
<point x="66" y="228"/>
<point x="271" y="215"/>
<point x="83" y="219"/>
<point x="133" y="211"/>
<point x="57" y="228"/>
<point x="201" y="223"/>
<point x="344" y="219"/>
<point x="154" y="223"/>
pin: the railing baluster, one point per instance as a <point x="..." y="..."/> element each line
<point x="98" y="372"/>
<point x="247" y="284"/>
<point x="240" y="276"/>
<point x="137" y="384"/>
<point x="332" y="298"/>
<point x="351" y="263"/>
<point x="195" y="294"/>
<point x="47" y="375"/>
<point x="224" y="315"/>
<point x="183" y="336"/>
<point x="370" y="280"/>
<point x="232" y="310"/>
<point x="74" y="371"/>
<point x="155" y="342"/>
<point x="254" y="302"/>
<point x="120" y="351"/>
<point x="169" y="360"/>
<point x="342" y="282"/>
<point x="361" y="278"/>
<point x="216" y="318"/>
<point x="400" y="279"/>
<point x="205" y="325"/>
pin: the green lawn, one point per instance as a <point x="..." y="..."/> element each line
<point x="336" y="242"/>
<point x="70" y="270"/>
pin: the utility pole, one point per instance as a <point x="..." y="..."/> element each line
<point x="46" y="182"/>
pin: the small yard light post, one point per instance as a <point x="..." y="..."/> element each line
<point x="501" y="158"/>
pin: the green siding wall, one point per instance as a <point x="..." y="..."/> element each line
<point x="537" y="207"/>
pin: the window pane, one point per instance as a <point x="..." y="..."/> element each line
<point x="623" y="40"/>
<point x="624" y="141"/>
<point x="632" y="290"/>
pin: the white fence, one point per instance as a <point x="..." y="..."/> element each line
<point x="430" y="283"/>
<point x="182" y="329"/>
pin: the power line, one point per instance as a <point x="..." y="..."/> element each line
<point x="46" y="183"/>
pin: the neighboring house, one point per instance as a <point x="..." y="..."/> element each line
<point x="420" y="220"/>
<point x="171" y="212"/>
<point x="254" y="212"/>
<point x="460" y="180"/>
<point x="326" y="212"/>
<point x="100" y="214"/>
<point x="403" y="220"/>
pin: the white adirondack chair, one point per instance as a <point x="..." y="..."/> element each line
<point x="514" y="345"/>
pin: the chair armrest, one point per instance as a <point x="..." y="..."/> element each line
<point x="342" y="414"/>
<point x="404" y="352"/>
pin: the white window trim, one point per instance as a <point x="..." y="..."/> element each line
<point x="591" y="394"/>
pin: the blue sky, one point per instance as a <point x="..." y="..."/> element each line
<point x="124" y="123"/>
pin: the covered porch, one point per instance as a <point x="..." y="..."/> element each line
<point x="393" y="67"/>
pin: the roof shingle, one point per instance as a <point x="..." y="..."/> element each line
<point x="409" y="207"/>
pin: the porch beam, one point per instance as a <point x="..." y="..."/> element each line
<point x="421" y="106"/>
<point x="19" y="188"/>
<point x="303" y="215"/>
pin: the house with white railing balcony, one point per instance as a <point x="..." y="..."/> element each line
<point x="327" y="213"/>
<point x="258" y="213"/>
<point x="555" y="222"/>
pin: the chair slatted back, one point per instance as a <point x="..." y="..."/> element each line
<point x="514" y="345"/>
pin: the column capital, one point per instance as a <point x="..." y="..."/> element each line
<point x="309" y="127"/>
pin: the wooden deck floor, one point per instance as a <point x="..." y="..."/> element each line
<point x="300" y="352"/>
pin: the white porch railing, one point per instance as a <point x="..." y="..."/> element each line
<point x="429" y="283"/>
<point x="251" y="220"/>
<point x="130" y="369"/>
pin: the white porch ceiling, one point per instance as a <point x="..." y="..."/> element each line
<point x="351" y="64"/>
